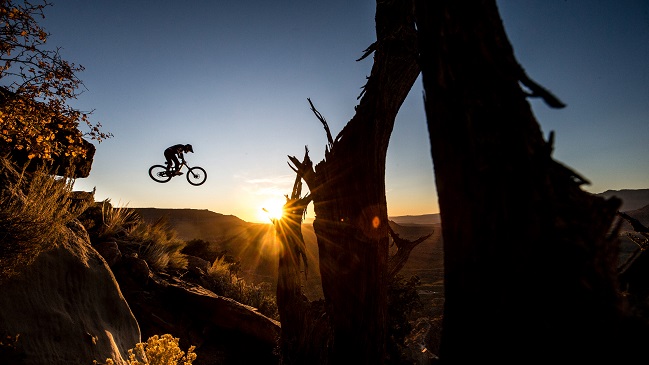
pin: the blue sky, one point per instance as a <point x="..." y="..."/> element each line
<point x="233" y="77"/>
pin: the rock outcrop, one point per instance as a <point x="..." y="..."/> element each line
<point x="67" y="308"/>
<point x="223" y="330"/>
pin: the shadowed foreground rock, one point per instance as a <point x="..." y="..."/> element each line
<point x="223" y="330"/>
<point x="67" y="308"/>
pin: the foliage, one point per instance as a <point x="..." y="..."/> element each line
<point x="158" y="350"/>
<point x="10" y="352"/>
<point x="403" y="300"/>
<point x="155" y="243"/>
<point x="36" y="86"/>
<point x="204" y="249"/>
<point x="34" y="212"/>
<point x="103" y="221"/>
<point x="159" y="245"/>
<point x="222" y="280"/>
<point x="116" y="221"/>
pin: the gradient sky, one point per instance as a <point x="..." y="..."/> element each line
<point x="232" y="78"/>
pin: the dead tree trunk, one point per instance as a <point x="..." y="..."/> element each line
<point x="305" y="333"/>
<point x="348" y="190"/>
<point x="529" y="264"/>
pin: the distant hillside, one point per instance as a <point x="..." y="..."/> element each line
<point x="254" y="243"/>
<point x="417" y="219"/>
<point x="631" y="199"/>
<point x="195" y="223"/>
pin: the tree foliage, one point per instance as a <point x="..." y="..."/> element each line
<point x="36" y="85"/>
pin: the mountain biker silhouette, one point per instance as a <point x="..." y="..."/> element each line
<point x="173" y="153"/>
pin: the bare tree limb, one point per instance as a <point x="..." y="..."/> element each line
<point x="539" y="91"/>
<point x="322" y="120"/>
<point x="404" y="247"/>
<point x="304" y="169"/>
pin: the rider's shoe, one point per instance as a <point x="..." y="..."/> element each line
<point x="178" y="173"/>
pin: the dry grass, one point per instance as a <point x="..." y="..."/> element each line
<point x="157" y="243"/>
<point x="116" y="221"/>
<point x="35" y="209"/>
<point x="222" y="279"/>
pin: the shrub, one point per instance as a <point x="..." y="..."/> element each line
<point x="103" y="221"/>
<point x="221" y="278"/>
<point x="159" y="245"/>
<point x="403" y="299"/>
<point x="155" y="243"/>
<point x="10" y="352"/>
<point x="163" y="350"/>
<point x="35" y="209"/>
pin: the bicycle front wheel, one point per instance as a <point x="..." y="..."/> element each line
<point x="196" y="176"/>
<point x="159" y="173"/>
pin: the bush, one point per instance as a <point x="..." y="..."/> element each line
<point x="35" y="209"/>
<point x="155" y="243"/>
<point x="403" y="299"/>
<point x="10" y="352"/>
<point x="158" y="245"/>
<point x="221" y="278"/>
<point x="163" y="350"/>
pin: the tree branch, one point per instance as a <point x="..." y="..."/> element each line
<point x="404" y="247"/>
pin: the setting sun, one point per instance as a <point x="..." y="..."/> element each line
<point x="272" y="209"/>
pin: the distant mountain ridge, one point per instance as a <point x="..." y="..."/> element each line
<point x="417" y="219"/>
<point x="632" y="199"/>
<point x="185" y="219"/>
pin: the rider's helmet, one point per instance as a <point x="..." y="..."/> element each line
<point x="189" y="148"/>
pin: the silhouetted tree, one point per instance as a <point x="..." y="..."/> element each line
<point x="348" y="191"/>
<point x="529" y="257"/>
<point x="305" y="330"/>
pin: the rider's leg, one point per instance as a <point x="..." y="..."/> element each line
<point x="176" y="169"/>
<point x="169" y="156"/>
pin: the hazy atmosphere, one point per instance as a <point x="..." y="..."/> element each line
<point x="232" y="78"/>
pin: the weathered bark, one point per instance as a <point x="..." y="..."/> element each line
<point x="304" y="335"/>
<point x="348" y="190"/>
<point x="529" y="264"/>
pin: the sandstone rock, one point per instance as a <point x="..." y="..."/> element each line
<point x="110" y="252"/>
<point x="133" y="271"/>
<point x="67" y="308"/>
<point x="223" y="330"/>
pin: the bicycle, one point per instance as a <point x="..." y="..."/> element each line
<point x="195" y="175"/>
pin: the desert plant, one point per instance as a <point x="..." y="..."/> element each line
<point x="155" y="243"/>
<point x="116" y="221"/>
<point x="34" y="211"/>
<point x="103" y="221"/>
<point x="10" y="352"/>
<point x="158" y="350"/>
<point x="210" y="251"/>
<point x="221" y="278"/>
<point x="403" y="299"/>
<point x="159" y="245"/>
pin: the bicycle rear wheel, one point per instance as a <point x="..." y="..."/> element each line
<point x="159" y="173"/>
<point x="196" y="176"/>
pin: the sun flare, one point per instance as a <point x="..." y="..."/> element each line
<point x="272" y="208"/>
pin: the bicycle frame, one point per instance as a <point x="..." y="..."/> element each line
<point x="196" y="175"/>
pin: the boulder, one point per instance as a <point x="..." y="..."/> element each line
<point x="67" y="308"/>
<point x="223" y="330"/>
<point x="109" y="250"/>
